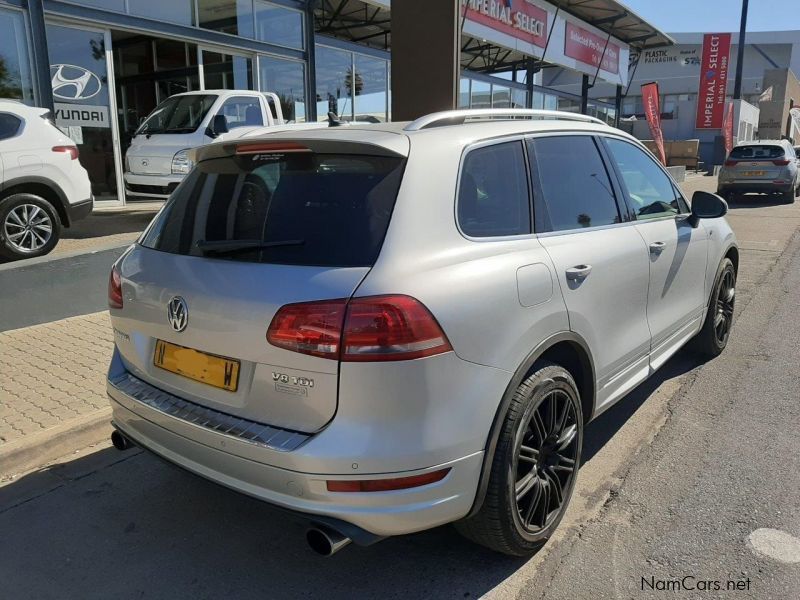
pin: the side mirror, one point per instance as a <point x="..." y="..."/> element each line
<point x="706" y="205"/>
<point x="218" y="126"/>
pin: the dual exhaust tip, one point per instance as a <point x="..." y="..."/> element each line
<point x="322" y="539"/>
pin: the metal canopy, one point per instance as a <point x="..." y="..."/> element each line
<point x="368" y="22"/>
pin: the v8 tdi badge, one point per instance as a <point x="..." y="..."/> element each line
<point x="289" y="384"/>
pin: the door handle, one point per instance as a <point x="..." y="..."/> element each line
<point x="657" y="247"/>
<point x="579" y="272"/>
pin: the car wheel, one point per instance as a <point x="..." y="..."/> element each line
<point x="788" y="196"/>
<point x="29" y="226"/>
<point x="713" y="337"/>
<point x="534" y="466"/>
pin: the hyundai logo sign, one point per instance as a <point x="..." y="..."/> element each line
<point x="74" y="83"/>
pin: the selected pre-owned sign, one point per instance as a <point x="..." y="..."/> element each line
<point x="713" y="80"/>
<point x="82" y="115"/>
<point x="583" y="45"/>
<point x="517" y="18"/>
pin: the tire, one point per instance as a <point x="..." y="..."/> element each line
<point x="788" y="196"/>
<point x="40" y="237"/>
<point x="711" y="340"/>
<point x="545" y="471"/>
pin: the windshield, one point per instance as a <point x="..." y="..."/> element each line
<point x="299" y="208"/>
<point x="178" y="114"/>
<point x="756" y="152"/>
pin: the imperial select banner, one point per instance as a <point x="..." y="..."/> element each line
<point x="713" y="80"/>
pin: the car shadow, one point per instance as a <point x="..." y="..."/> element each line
<point x="754" y="200"/>
<point x="128" y="524"/>
<point x="103" y="223"/>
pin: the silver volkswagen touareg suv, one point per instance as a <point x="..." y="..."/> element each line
<point x="386" y="328"/>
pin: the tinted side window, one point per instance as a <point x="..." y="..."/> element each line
<point x="650" y="191"/>
<point x="493" y="192"/>
<point x="242" y="112"/>
<point x="9" y="125"/>
<point x="575" y="188"/>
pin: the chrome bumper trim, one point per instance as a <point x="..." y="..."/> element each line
<point x="274" y="438"/>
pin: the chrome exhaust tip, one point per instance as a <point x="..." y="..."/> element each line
<point x="119" y="441"/>
<point x="326" y="541"/>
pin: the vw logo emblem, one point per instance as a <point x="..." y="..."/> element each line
<point x="178" y="313"/>
<point x="71" y="82"/>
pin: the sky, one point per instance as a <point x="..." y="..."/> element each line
<point x="717" y="15"/>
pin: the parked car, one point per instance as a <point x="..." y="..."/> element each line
<point x="157" y="159"/>
<point x="392" y="327"/>
<point x="766" y="167"/>
<point x="43" y="186"/>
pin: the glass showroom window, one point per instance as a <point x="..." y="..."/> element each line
<point x="228" y="16"/>
<point x="227" y="71"/>
<point x="174" y="11"/>
<point x="371" y="86"/>
<point x="334" y="82"/>
<point x="15" y="63"/>
<point x="463" y="93"/>
<point x="279" y="25"/>
<point x="481" y="94"/>
<point x="287" y="79"/>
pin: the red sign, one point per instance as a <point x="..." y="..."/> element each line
<point x="516" y="18"/>
<point x="652" y="110"/>
<point x="591" y="49"/>
<point x="727" y="129"/>
<point x="713" y="80"/>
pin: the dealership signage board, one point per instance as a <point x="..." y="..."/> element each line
<point x="526" y="26"/>
<point x="81" y="115"/>
<point x="713" y="80"/>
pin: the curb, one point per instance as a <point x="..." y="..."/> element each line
<point x="38" y="449"/>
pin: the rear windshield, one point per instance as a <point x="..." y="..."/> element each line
<point x="757" y="152"/>
<point x="283" y="208"/>
<point x="178" y="114"/>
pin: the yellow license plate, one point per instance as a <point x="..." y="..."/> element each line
<point x="213" y="370"/>
<point x="754" y="173"/>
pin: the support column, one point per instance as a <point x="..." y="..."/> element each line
<point x="426" y="48"/>
<point x="41" y="60"/>
<point x="584" y="94"/>
<point x="531" y="71"/>
<point x="618" y="105"/>
<point x="311" y="64"/>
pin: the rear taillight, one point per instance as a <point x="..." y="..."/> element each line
<point x="71" y="150"/>
<point x="309" y="328"/>
<point x="373" y="328"/>
<point x="390" y="328"/>
<point x="114" y="289"/>
<point x="385" y="485"/>
<point x="730" y="163"/>
<point x="780" y="163"/>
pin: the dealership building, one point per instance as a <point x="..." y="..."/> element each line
<point x="771" y="64"/>
<point x="103" y="65"/>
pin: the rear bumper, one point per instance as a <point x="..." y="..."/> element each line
<point x="151" y="186"/>
<point x="79" y="210"/>
<point x="240" y="464"/>
<point x="762" y="187"/>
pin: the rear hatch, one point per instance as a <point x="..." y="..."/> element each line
<point x="244" y="235"/>
<point x="757" y="162"/>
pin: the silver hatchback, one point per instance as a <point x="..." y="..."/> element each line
<point x="387" y="328"/>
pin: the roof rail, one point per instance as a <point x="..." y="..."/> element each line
<point x="458" y="117"/>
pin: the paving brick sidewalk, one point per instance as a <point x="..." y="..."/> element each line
<point x="51" y="374"/>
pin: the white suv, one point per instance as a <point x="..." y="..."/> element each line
<point x="42" y="184"/>
<point x="393" y="327"/>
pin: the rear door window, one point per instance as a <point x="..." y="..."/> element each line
<point x="493" y="195"/>
<point x="299" y="208"/>
<point x="575" y="189"/>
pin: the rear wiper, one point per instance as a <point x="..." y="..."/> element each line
<point x="231" y="246"/>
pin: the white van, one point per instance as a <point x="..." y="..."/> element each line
<point x="157" y="159"/>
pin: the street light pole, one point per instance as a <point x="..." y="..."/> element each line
<point x="737" y="86"/>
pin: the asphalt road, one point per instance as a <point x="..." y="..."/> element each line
<point x="52" y="288"/>
<point x="677" y="477"/>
